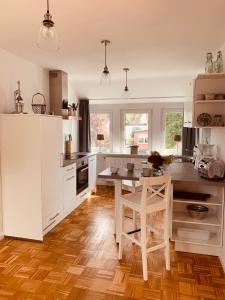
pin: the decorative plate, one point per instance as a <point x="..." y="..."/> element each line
<point x="204" y="119"/>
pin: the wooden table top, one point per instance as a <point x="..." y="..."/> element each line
<point x="180" y="172"/>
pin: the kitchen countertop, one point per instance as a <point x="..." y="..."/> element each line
<point x="67" y="162"/>
<point x="180" y="172"/>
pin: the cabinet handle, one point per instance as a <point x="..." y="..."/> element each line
<point x="49" y="225"/>
<point x="68" y="179"/>
<point x="52" y="218"/>
<point x="71" y="169"/>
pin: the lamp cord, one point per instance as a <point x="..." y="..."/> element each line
<point x="47" y="6"/>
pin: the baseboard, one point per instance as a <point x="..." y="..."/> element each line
<point x="1" y="235"/>
<point x="222" y="263"/>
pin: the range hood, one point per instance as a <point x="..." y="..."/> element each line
<point x="58" y="90"/>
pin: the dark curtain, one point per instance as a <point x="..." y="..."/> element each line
<point x="84" y="126"/>
<point x="189" y="140"/>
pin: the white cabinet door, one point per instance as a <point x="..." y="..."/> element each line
<point x="51" y="147"/>
<point x="92" y="176"/>
<point x="69" y="192"/>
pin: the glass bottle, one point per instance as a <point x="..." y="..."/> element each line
<point x="209" y="63"/>
<point x="219" y="63"/>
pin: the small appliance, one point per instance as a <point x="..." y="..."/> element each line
<point x="211" y="168"/>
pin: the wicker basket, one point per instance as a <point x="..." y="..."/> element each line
<point x="39" y="108"/>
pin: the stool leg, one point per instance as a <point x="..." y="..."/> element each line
<point x="120" y="237"/>
<point x="144" y="246"/>
<point x="166" y="240"/>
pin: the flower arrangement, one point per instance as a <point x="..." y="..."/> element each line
<point x="158" y="160"/>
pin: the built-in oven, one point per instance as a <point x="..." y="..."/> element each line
<point x="82" y="175"/>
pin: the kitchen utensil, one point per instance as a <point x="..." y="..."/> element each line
<point x="210" y="96"/>
<point x="219" y="97"/>
<point x="39" y="108"/>
<point x="147" y="172"/>
<point x="197" y="211"/>
<point x="130" y="167"/>
<point x="218" y="120"/>
<point x="204" y="119"/>
<point x="200" y="97"/>
<point x="114" y="170"/>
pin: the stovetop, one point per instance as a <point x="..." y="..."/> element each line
<point x="74" y="156"/>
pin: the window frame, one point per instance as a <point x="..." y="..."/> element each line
<point x="110" y="113"/>
<point x="163" y="127"/>
<point x="122" y="127"/>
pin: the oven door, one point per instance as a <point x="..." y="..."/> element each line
<point x="82" y="178"/>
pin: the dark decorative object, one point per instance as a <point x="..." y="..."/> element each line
<point x="204" y="119"/>
<point x="105" y="77"/>
<point x="157" y="160"/>
<point x="39" y="108"/>
<point x="197" y="211"/>
<point x="65" y="104"/>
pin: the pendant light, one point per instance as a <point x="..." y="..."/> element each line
<point x="126" y="92"/>
<point x="47" y="37"/>
<point x="105" y="76"/>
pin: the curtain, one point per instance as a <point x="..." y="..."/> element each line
<point x="84" y="126"/>
<point x="189" y="140"/>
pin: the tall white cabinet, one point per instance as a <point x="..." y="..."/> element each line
<point x="31" y="175"/>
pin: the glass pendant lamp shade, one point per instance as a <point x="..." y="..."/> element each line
<point x="47" y="36"/>
<point x="105" y="76"/>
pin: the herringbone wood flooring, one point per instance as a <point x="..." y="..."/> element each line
<point x="78" y="260"/>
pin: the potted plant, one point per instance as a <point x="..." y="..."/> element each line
<point x="65" y="110"/>
<point x="159" y="162"/>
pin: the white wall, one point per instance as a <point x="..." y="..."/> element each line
<point x="33" y="79"/>
<point x="156" y="119"/>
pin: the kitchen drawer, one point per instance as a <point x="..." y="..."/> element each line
<point x="68" y="169"/>
<point x="69" y="190"/>
<point x="50" y="221"/>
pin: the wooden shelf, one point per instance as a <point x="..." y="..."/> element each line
<point x="71" y="118"/>
<point x="210" y="101"/>
<point x="210" y="201"/>
<point x="213" y="241"/>
<point x="183" y="217"/>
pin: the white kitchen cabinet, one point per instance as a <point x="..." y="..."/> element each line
<point x="92" y="173"/>
<point x="69" y="191"/>
<point x="31" y="174"/>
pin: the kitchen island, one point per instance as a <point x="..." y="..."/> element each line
<point x="186" y="178"/>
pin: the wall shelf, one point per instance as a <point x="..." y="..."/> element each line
<point x="210" y="101"/>
<point x="210" y="201"/>
<point x="213" y="241"/>
<point x="183" y="217"/>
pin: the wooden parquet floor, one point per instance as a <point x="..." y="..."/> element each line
<point x="78" y="260"/>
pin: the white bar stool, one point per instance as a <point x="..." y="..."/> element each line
<point x="154" y="197"/>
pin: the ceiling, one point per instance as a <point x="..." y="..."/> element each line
<point x="157" y="39"/>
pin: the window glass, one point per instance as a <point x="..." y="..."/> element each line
<point x="136" y="130"/>
<point x="100" y="124"/>
<point x="173" y="129"/>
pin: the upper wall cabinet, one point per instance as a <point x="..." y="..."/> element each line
<point x="209" y="100"/>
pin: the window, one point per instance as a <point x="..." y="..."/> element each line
<point x="136" y="130"/>
<point x="173" y="123"/>
<point x="100" y="124"/>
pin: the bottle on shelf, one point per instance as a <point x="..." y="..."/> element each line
<point x="209" y="63"/>
<point x="219" y="63"/>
